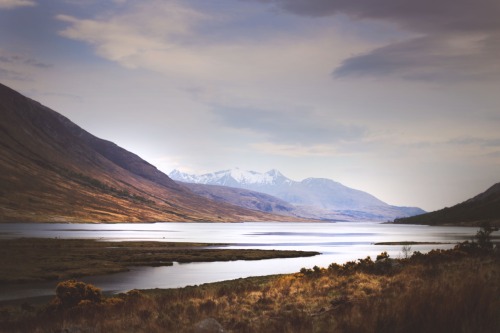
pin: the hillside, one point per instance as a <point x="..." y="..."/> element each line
<point x="317" y="198"/>
<point x="484" y="207"/>
<point x="53" y="170"/>
<point x="244" y="198"/>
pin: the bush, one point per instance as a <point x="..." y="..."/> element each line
<point x="480" y="244"/>
<point x="382" y="257"/>
<point x="71" y="293"/>
<point x="382" y="265"/>
<point x="483" y="237"/>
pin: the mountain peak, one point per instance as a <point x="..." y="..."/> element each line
<point x="324" y="196"/>
<point x="235" y="177"/>
<point x="243" y="176"/>
<point x="274" y="173"/>
<point x="68" y="175"/>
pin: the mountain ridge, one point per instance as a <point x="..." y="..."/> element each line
<point x="244" y="198"/>
<point x="318" y="198"/>
<point x="52" y="170"/>
<point x="480" y="209"/>
<point x="232" y="176"/>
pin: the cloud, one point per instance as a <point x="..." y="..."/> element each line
<point x="146" y="35"/>
<point x="18" y="67"/>
<point x="289" y="127"/>
<point x="424" y="15"/>
<point x="436" y="57"/>
<point x="208" y="46"/>
<point x="22" y="60"/>
<point x="10" y="4"/>
<point x="476" y="141"/>
<point x="436" y="54"/>
<point x="7" y="74"/>
<point x="295" y="150"/>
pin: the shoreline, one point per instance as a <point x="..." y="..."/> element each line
<point x="394" y="292"/>
<point x="47" y="259"/>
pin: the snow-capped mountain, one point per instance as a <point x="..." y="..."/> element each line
<point x="233" y="178"/>
<point x="316" y="197"/>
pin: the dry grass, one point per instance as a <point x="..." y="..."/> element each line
<point x="36" y="259"/>
<point x="445" y="291"/>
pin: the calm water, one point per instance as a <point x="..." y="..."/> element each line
<point x="337" y="242"/>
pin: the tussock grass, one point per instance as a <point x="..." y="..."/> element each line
<point x="444" y="291"/>
<point x="39" y="259"/>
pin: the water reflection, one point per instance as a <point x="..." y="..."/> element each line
<point x="338" y="242"/>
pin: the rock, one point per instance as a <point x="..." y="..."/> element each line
<point x="209" y="325"/>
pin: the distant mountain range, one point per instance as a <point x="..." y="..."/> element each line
<point x="244" y="198"/>
<point x="483" y="208"/>
<point x="317" y="198"/>
<point x="51" y="170"/>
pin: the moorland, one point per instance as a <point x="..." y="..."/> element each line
<point x="455" y="290"/>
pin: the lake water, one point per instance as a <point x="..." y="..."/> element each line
<point x="337" y="242"/>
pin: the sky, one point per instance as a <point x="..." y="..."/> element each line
<point x="399" y="98"/>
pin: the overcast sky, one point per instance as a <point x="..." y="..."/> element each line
<point x="399" y="98"/>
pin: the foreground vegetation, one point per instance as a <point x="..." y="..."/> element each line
<point x="455" y="290"/>
<point x="41" y="259"/>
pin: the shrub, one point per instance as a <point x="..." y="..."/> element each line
<point x="366" y="265"/>
<point x="483" y="236"/>
<point x="71" y="293"/>
<point x="480" y="244"/>
<point x="382" y="265"/>
<point x="306" y="271"/>
<point x="383" y="256"/>
<point x="406" y="251"/>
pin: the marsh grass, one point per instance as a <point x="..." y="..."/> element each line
<point x="444" y="291"/>
<point x="41" y="259"/>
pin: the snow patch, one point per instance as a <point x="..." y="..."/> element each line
<point x="237" y="175"/>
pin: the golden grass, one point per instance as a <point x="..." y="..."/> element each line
<point x="445" y="291"/>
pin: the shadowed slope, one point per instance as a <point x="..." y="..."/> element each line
<point x="244" y="198"/>
<point x="484" y="207"/>
<point x="53" y="170"/>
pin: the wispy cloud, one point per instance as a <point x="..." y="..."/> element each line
<point x="18" y="67"/>
<point x="424" y="15"/>
<point x="457" y="39"/>
<point x="295" y="150"/>
<point x="433" y="58"/>
<point x="289" y="127"/>
<point x="205" y="46"/>
<point x="10" y="4"/>
<point x="145" y="35"/>
<point x="22" y="60"/>
<point x="476" y="141"/>
<point x="13" y="75"/>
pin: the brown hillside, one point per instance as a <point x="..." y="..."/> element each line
<point x="483" y="208"/>
<point x="53" y="170"/>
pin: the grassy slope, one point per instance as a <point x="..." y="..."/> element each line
<point x="483" y="208"/>
<point x="52" y="170"/>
